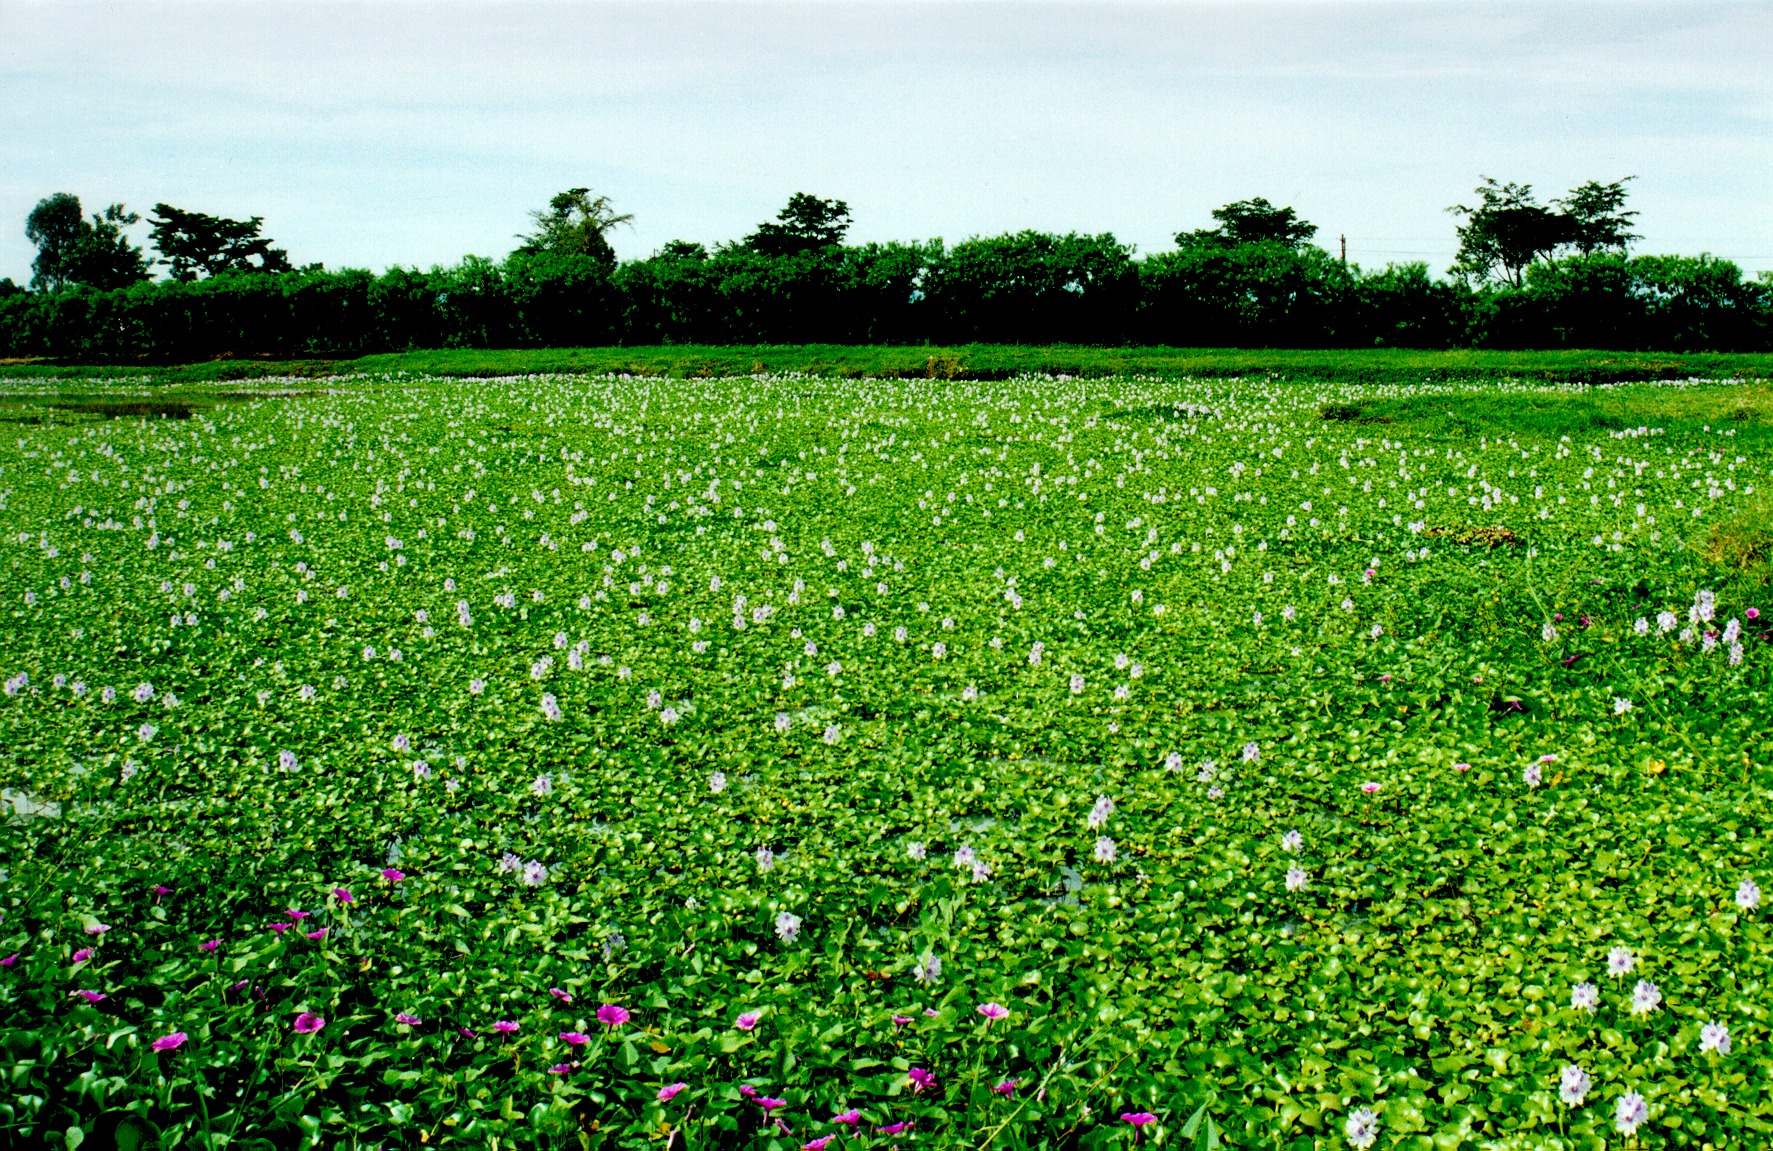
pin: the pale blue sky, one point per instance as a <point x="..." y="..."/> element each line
<point x="410" y="133"/>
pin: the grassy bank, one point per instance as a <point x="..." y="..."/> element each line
<point x="978" y="361"/>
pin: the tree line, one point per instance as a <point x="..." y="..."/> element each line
<point x="1527" y="275"/>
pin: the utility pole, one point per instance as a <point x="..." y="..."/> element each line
<point x="1344" y="239"/>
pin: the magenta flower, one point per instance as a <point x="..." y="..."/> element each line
<point x="1007" y="1087"/>
<point x="83" y="955"/>
<point x="409" y="1020"/>
<point x="670" y="1091"/>
<point x="321" y="934"/>
<point x="210" y="946"/>
<point x="919" y="1079"/>
<point x="1138" y="1118"/>
<point x="818" y="1144"/>
<point x="465" y="1033"/>
<point x="98" y="929"/>
<point x="892" y="1128"/>
<point x="1753" y="613"/>
<point x="930" y="1013"/>
<point x="747" y="1091"/>
<point x="848" y="1118"/>
<point x="747" y="1020"/>
<point x="561" y="1068"/>
<point x="574" y="1038"/>
<point x="1369" y="787"/>
<point x="505" y="1026"/>
<point x="10" y="960"/>
<point x="91" y="996"/>
<point x="343" y="896"/>
<point x="611" y="1016"/>
<point x="768" y="1104"/>
<point x="238" y="986"/>
<point x="392" y="875"/>
<point x="307" y="1023"/>
<point x="563" y="996"/>
<point x="159" y="891"/>
<point x="992" y="1012"/>
<point x="1462" y="767"/>
<point x="280" y="928"/>
<point x="170" y="1042"/>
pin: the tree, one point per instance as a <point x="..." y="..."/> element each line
<point x="1595" y="220"/>
<point x="73" y="251"/>
<point x="575" y="223"/>
<point x="1252" y="221"/>
<point x="192" y="242"/>
<point x="806" y="224"/>
<point x="1506" y="232"/>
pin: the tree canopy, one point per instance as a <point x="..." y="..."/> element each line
<point x="1252" y="221"/>
<point x="192" y="242"/>
<point x="1507" y="230"/>
<point x="806" y="224"/>
<point x="74" y="251"/>
<point x="575" y="223"/>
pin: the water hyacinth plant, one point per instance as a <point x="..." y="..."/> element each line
<point x="796" y="762"/>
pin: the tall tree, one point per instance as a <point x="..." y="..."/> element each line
<point x="192" y="242"/>
<point x="1505" y="232"/>
<point x="576" y="223"/>
<point x="72" y="250"/>
<point x="807" y="224"/>
<point x="1595" y="216"/>
<point x="1252" y="221"/>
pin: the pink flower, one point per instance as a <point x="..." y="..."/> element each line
<point x="307" y="1023"/>
<point x="83" y="955"/>
<point x="611" y="1016"/>
<point x="1007" y="1087"/>
<point x="159" y="891"/>
<point x="1753" y="613"/>
<point x="392" y="875"/>
<point x="343" y="896"/>
<point x="1462" y="767"/>
<point x="669" y="1092"/>
<point x="298" y="916"/>
<point x="563" y="996"/>
<point x="891" y="1128"/>
<point x="465" y="1033"/>
<point x="280" y="928"/>
<point x="409" y="1020"/>
<point x="321" y="934"/>
<point x="1369" y="787"/>
<point x="210" y="946"/>
<point x="238" y="986"/>
<point x="170" y="1042"/>
<point x="849" y="1118"/>
<point x="574" y="1038"/>
<point x="98" y="929"/>
<point x="919" y="1079"/>
<point x="768" y="1104"/>
<point x="747" y="1020"/>
<point x="902" y="1020"/>
<point x="818" y="1144"/>
<point x="561" y="1068"/>
<point x="91" y="996"/>
<point x="930" y="1013"/>
<point x="747" y="1091"/>
<point x="10" y="960"/>
<point x="505" y="1026"/>
<point x="1138" y="1118"/>
<point x="992" y="1012"/>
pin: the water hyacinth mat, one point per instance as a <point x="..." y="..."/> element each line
<point x="788" y="762"/>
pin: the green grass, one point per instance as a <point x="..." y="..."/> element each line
<point x="975" y="362"/>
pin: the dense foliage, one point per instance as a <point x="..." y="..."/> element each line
<point x="789" y="762"/>
<point x="1029" y="287"/>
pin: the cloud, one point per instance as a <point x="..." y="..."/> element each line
<point x="369" y="135"/>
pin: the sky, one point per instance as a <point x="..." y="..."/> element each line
<point x="375" y="134"/>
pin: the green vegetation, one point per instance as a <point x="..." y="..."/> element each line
<point x="965" y="362"/>
<point x="789" y="761"/>
<point x="1527" y="276"/>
